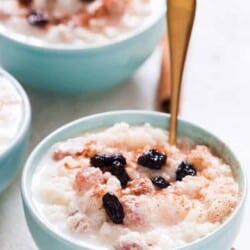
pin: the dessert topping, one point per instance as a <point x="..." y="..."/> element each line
<point x="152" y="159"/>
<point x="184" y="169"/>
<point x="25" y="2"/>
<point x="100" y="161"/>
<point x="160" y="182"/>
<point x="118" y="170"/>
<point x="113" y="208"/>
<point x="37" y="18"/>
<point x="114" y="163"/>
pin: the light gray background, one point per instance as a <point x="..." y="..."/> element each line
<point x="216" y="95"/>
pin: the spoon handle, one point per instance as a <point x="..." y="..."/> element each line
<point x="180" y="20"/>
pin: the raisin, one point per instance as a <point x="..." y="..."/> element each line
<point x="25" y="2"/>
<point x="118" y="170"/>
<point x="113" y="208"/>
<point x="115" y="157"/>
<point x="184" y="169"/>
<point x="106" y="160"/>
<point x="160" y="182"/>
<point x="114" y="163"/>
<point x="152" y="159"/>
<point x="98" y="161"/>
<point x="87" y="1"/>
<point x="37" y="18"/>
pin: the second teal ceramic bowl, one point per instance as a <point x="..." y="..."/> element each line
<point x="47" y="239"/>
<point x="73" y="70"/>
<point x="12" y="158"/>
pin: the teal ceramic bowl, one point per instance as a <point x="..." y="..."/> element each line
<point x="12" y="158"/>
<point x="47" y="239"/>
<point x="73" y="70"/>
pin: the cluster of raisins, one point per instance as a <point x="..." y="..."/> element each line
<point x="100" y="161"/>
<point x="154" y="159"/>
<point x="114" y="163"/>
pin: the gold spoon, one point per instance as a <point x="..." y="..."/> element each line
<point x="180" y="18"/>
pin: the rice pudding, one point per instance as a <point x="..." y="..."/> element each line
<point x="126" y="188"/>
<point x="77" y="22"/>
<point x="11" y="111"/>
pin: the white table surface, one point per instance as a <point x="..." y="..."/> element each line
<point x="216" y="95"/>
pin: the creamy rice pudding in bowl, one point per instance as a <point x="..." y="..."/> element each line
<point x="78" y="45"/>
<point x="112" y="181"/>
<point x="14" y="127"/>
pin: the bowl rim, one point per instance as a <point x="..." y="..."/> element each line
<point x="27" y="200"/>
<point x="20" y="39"/>
<point x="26" y="116"/>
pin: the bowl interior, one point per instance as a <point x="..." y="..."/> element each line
<point x="98" y="121"/>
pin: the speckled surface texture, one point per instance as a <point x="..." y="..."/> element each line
<point x="216" y="96"/>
